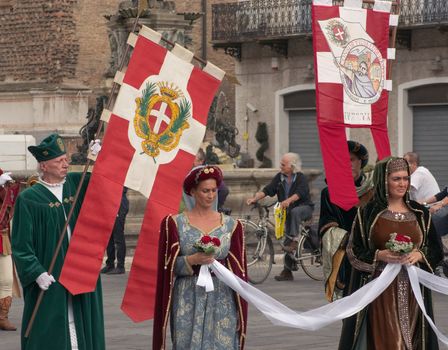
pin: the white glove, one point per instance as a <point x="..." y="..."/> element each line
<point x="95" y="147"/>
<point x="4" y="178"/>
<point x="45" y="280"/>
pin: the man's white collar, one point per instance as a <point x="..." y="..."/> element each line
<point x="57" y="184"/>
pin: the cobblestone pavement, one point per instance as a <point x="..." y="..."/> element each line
<point x="301" y="294"/>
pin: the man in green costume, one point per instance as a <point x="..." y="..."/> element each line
<point x="63" y="321"/>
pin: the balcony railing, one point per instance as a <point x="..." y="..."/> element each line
<point x="423" y="12"/>
<point x="279" y="19"/>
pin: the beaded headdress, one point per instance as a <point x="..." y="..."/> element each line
<point x="398" y="164"/>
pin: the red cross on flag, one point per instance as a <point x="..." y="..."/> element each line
<point x="155" y="130"/>
<point x="350" y="56"/>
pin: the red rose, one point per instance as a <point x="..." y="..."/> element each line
<point x="402" y="238"/>
<point x="216" y="241"/>
<point x="206" y="239"/>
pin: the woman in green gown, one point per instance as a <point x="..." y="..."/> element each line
<point x="393" y="320"/>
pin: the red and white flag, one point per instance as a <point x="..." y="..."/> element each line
<point x="154" y="132"/>
<point x="351" y="49"/>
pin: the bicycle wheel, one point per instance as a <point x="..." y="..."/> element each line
<point x="259" y="252"/>
<point x="445" y="245"/>
<point x="444" y="263"/>
<point x="310" y="260"/>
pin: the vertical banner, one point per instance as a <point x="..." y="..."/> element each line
<point x="350" y="55"/>
<point x="155" y="130"/>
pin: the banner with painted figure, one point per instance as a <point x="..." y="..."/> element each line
<point x="351" y="49"/>
<point x="154" y="132"/>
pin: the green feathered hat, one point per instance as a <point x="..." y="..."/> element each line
<point x="51" y="147"/>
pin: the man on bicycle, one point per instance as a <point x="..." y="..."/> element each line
<point x="335" y="224"/>
<point x="292" y="190"/>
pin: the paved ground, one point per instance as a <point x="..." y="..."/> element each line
<point x="301" y="294"/>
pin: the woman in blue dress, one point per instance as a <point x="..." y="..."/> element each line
<point x="199" y="319"/>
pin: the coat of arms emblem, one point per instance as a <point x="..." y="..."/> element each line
<point x="337" y="32"/>
<point x="360" y="63"/>
<point x="161" y="115"/>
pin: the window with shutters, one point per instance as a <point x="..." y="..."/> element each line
<point x="430" y="122"/>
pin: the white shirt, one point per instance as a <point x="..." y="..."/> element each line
<point x="423" y="184"/>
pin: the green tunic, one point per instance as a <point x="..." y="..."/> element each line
<point x="38" y="221"/>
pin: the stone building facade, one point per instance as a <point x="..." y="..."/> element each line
<point x="274" y="49"/>
<point x="50" y="63"/>
<point x="55" y="59"/>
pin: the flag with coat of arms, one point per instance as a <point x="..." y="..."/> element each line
<point x="154" y="132"/>
<point x="351" y="49"/>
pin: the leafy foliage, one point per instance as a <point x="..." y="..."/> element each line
<point x="146" y="96"/>
<point x="144" y="127"/>
<point x="184" y="114"/>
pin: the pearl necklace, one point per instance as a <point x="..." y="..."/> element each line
<point x="397" y="215"/>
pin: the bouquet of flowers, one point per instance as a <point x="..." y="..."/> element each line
<point x="207" y="244"/>
<point x="399" y="243"/>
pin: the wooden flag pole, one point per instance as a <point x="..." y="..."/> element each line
<point x="393" y="38"/>
<point x="78" y="190"/>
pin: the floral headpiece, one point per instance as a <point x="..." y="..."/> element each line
<point x="201" y="173"/>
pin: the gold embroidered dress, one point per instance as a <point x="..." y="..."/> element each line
<point x="198" y="319"/>
<point x="395" y="311"/>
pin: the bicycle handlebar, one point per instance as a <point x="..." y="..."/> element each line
<point x="263" y="206"/>
<point x="263" y="209"/>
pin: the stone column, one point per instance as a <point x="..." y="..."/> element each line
<point x="160" y="16"/>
